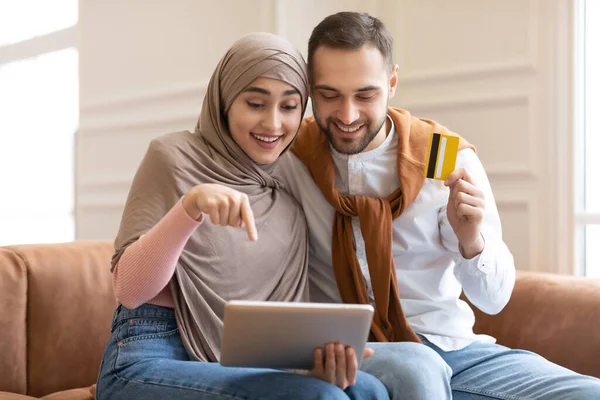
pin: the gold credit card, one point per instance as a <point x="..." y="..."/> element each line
<point x="441" y="158"/>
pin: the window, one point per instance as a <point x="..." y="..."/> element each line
<point x="588" y="140"/>
<point x="39" y="115"/>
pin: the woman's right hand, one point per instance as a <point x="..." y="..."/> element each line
<point x="224" y="206"/>
<point x="339" y="366"/>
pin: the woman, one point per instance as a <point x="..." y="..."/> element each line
<point x="174" y="268"/>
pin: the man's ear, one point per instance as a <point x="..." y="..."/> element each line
<point x="393" y="83"/>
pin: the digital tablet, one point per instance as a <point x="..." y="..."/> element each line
<point x="265" y="334"/>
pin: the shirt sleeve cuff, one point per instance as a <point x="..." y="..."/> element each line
<point x="184" y="218"/>
<point x="482" y="263"/>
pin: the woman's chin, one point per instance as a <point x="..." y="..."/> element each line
<point x="266" y="158"/>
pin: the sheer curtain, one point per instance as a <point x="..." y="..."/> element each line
<point x="588" y="155"/>
<point x="39" y="113"/>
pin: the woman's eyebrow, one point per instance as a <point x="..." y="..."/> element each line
<point x="291" y="92"/>
<point x="255" y="89"/>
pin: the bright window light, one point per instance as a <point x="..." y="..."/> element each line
<point x="25" y="19"/>
<point x="589" y="196"/>
<point x="39" y="115"/>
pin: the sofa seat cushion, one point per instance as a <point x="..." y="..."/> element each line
<point x="88" y="393"/>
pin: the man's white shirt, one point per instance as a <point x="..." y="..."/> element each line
<point x="431" y="272"/>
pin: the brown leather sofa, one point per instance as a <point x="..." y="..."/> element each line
<point x="56" y="303"/>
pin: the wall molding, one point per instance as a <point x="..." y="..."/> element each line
<point x="101" y="206"/>
<point x="498" y="172"/>
<point x="527" y="65"/>
<point x="525" y="171"/>
<point x="104" y="183"/>
<point x="113" y="126"/>
<point x="521" y="202"/>
<point x="561" y="79"/>
<point x="177" y="103"/>
<point x="143" y="97"/>
<point x="475" y="100"/>
<point x="514" y="200"/>
<point x="468" y="73"/>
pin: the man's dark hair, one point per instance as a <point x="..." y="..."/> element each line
<point x="351" y="31"/>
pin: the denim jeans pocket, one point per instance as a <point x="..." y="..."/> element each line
<point x="145" y="329"/>
<point x="140" y="339"/>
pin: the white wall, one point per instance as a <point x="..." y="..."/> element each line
<point x="495" y="71"/>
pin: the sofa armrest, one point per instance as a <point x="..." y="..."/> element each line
<point x="555" y="316"/>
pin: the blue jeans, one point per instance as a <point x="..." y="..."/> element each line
<point x="480" y="371"/>
<point x="145" y="359"/>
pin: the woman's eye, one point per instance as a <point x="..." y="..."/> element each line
<point x="254" y="105"/>
<point x="290" y="107"/>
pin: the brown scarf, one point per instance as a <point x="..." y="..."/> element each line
<point x="375" y="215"/>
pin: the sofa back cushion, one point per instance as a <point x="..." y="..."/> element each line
<point x="69" y="303"/>
<point x="554" y="316"/>
<point x="13" y="314"/>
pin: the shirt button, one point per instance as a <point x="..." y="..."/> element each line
<point x="486" y="267"/>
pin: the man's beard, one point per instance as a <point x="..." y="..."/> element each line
<point x="347" y="146"/>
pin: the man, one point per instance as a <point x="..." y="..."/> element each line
<point x="382" y="233"/>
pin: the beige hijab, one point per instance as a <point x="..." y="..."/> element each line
<point x="219" y="263"/>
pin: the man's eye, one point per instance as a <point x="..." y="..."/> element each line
<point x="366" y="97"/>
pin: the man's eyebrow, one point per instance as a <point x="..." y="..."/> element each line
<point x="368" y="88"/>
<point x="363" y="89"/>
<point x="326" y="87"/>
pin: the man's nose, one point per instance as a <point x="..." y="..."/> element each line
<point x="349" y="113"/>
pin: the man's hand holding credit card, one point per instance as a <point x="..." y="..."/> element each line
<point x="466" y="203"/>
<point x="441" y="158"/>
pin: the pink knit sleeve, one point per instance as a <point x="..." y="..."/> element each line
<point x="147" y="266"/>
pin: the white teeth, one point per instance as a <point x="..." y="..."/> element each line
<point x="351" y="129"/>
<point x="268" y="139"/>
